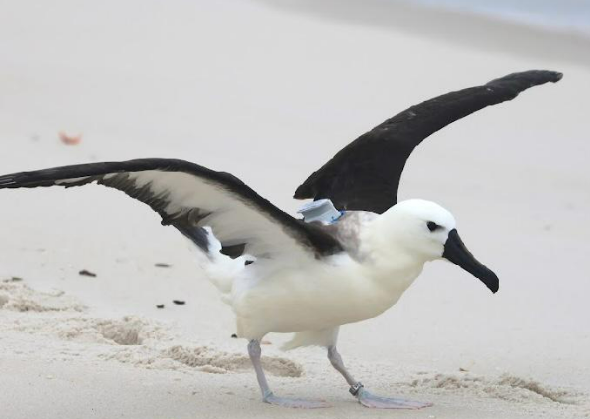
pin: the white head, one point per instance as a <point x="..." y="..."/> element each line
<point x="427" y="232"/>
<point x="419" y="226"/>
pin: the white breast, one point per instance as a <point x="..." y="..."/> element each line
<point x="319" y="296"/>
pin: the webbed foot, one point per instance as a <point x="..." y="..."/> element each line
<point x="377" y="402"/>
<point x="294" y="403"/>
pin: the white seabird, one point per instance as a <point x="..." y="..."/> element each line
<point x="281" y="274"/>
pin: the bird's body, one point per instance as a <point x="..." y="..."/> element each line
<point x="317" y="296"/>
<point x="311" y="295"/>
<point x="281" y="274"/>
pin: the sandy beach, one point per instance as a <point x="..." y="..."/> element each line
<point x="269" y="91"/>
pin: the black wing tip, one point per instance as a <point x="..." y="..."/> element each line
<point x="13" y="181"/>
<point x="49" y="176"/>
<point x="25" y="180"/>
<point x="525" y="79"/>
<point x="543" y="75"/>
<point x="7" y="181"/>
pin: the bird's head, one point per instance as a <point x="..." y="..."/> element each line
<point x="428" y="231"/>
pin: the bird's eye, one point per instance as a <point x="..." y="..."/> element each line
<point x="432" y="226"/>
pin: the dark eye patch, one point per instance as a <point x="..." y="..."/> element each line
<point x="432" y="226"/>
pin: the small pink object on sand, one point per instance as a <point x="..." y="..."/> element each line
<point x="70" y="139"/>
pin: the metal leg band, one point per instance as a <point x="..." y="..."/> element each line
<point x="354" y="389"/>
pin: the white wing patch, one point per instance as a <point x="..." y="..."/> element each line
<point x="232" y="219"/>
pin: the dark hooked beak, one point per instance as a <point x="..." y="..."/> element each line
<point x="456" y="252"/>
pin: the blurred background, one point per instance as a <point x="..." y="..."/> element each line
<point x="560" y="16"/>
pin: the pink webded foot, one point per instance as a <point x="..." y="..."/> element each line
<point x="295" y="403"/>
<point x="377" y="402"/>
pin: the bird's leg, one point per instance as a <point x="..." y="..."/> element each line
<point x="336" y="361"/>
<point x="267" y="395"/>
<point x="364" y="397"/>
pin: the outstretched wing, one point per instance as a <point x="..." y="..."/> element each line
<point x="190" y="197"/>
<point x="365" y="174"/>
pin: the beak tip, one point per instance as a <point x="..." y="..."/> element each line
<point x="493" y="284"/>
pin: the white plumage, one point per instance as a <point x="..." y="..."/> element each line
<point x="314" y="297"/>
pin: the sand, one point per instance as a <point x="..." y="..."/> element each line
<point x="269" y="91"/>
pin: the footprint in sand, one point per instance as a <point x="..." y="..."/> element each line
<point x="134" y="340"/>
<point x="219" y="362"/>
<point x="506" y="387"/>
<point x="19" y="297"/>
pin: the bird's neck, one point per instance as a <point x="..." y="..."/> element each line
<point x="395" y="272"/>
<point x="391" y="267"/>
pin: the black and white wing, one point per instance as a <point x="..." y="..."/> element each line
<point x="365" y="174"/>
<point x="190" y="197"/>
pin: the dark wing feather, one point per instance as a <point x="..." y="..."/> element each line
<point x="365" y="174"/>
<point x="190" y="197"/>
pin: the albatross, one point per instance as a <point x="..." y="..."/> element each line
<point x="289" y="275"/>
